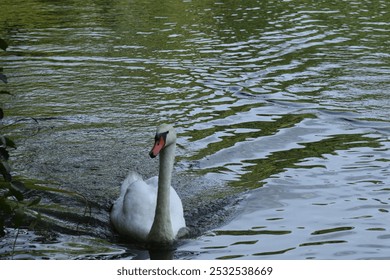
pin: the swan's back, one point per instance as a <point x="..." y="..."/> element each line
<point x="133" y="212"/>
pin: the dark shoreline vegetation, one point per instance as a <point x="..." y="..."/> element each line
<point x="13" y="204"/>
<point x="19" y="198"/>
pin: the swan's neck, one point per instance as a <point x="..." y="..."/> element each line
<point x="161" y="231"/>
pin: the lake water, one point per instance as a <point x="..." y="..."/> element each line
<point x="282" y="110"/>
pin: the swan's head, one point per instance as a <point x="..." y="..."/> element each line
<point x="165" y="136"/>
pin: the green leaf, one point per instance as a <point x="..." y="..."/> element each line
<point x="5" y="141"/>
<point x="19" y="217"/>
<point x="5" y="207"/>
<point x="3" y="44"/>
<point x="10" y="143"/>
<point x="2" y="232"/>
<point x="4" y="170"/>
<point x="51" y="189"/>
<point x="34" y="201"/>
<point x="16" y="192"/>
<point x="4" y="153"/>
<point x="20" y="186"/>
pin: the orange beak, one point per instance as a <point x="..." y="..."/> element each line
<point x="158" y="146"/>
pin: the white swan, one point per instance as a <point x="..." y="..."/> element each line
<point x="151" y="211"/>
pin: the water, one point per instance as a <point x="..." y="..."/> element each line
<point x="282" y="111"/>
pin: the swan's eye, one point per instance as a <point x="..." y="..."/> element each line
<point x="159" y="135"/>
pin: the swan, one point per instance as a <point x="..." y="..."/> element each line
<point x="150" y="211"/>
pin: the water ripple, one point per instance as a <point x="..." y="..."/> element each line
<point x="283" y="101"/>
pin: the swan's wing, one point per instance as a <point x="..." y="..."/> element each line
<point x="153" y="181"/>
<point x="177" y="213"/>
<point x="130" y="179"/>
<point x="133" y="212"/>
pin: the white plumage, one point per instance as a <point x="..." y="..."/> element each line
<point x="151" y="211"/>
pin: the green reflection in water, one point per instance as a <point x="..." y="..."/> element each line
<point x="259" y="129"/>
<point x="273" y="252"/>
<point x="215" y="247"/>
<point x="195" y="135"/>
<point x="251" y="242"/>
<point x="322" y="243"/>
<point x="256" y="170"/>
<point x="251" y="232"/>
<point x="376" y="229"/>
<point x="331" y="230"/>
<point x="230" y="257"/>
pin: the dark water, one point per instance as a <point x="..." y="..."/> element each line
<point x="282" y="110"/>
